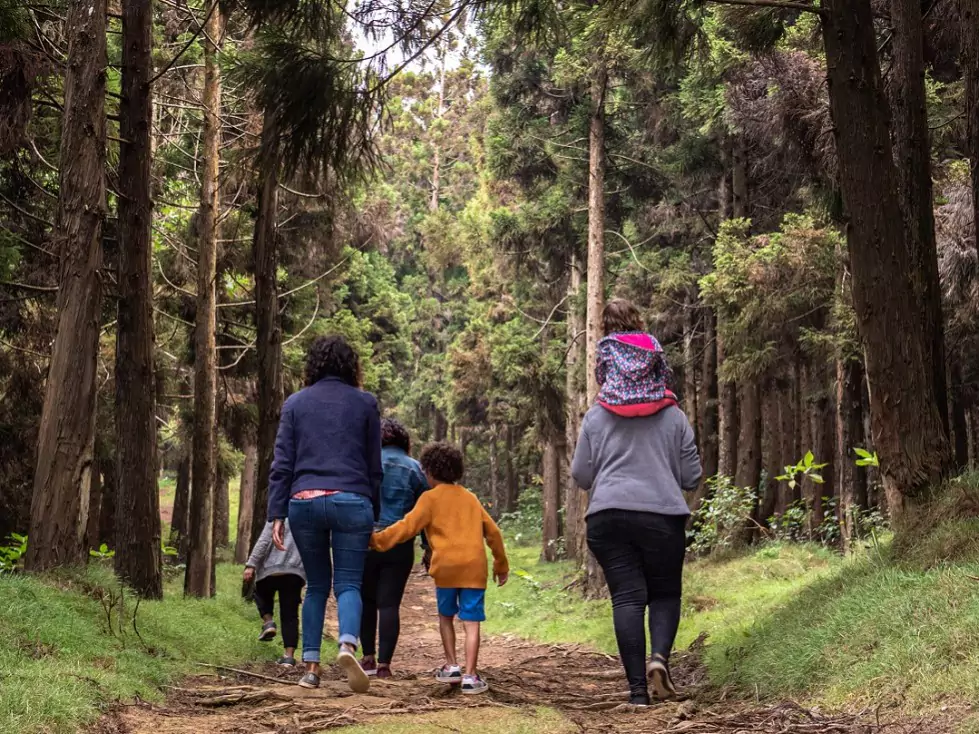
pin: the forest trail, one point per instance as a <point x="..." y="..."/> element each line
<point x="585" y="688"/>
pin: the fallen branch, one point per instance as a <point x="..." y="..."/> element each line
<point x="268" y="678"/>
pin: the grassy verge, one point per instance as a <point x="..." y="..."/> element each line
<point x="60" y="663"/>
<point x="794" y="621"/>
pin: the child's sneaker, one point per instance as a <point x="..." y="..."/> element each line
<point x="473" y="685"/>
<point x="384" y="672"/>
<point x="369" y="666"/>
<point x="451" y="674"/>
<point x="268" y="632"/>
<point x="286" y="662"/>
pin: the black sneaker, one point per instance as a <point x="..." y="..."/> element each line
<point x="310" y="680"/>
<point x="286" y="662"/>
<point x="268" y="632"/>
<point x="659" y="677"/>
<point x="639" y="699"/>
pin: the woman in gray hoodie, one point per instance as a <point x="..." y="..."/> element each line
<point x="636" y="455"/>
<point x="278" y="572"/>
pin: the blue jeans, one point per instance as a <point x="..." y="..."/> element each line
<point x="341" y="523"/>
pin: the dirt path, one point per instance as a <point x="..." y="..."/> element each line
<point x="585" y="688"/>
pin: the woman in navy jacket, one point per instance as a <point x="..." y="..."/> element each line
<point x="326" y="478"/>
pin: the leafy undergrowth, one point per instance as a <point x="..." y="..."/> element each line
<point x="60" y="664"/>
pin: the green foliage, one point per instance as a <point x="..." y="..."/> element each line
<point x="102" y="553"/>
<point x="866" y="458"/>
<point x="806" y="468"/>
<point x="523" y="526"/>
<point x="720" y="521"/>
<point x="102" y="658"/>
<point x="12" y="553"/>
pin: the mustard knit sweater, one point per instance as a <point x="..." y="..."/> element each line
<point x="455" y="524"/>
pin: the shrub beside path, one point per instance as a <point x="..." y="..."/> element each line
<point x="544" y="689"/>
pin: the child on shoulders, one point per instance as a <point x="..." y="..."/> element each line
<point x="456" y="526"/>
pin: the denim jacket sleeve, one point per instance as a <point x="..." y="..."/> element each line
<point x="283" y="464"/>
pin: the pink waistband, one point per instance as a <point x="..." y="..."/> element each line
<point x="312" y="494"/>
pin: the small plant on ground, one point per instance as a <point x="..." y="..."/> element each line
<point x="12" y="553"/>
<point x="720" y="522"/>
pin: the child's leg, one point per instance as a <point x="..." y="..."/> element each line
<point x="472" y="611"/>
<point x="265" y="598"/>
<point x="290" y="593"/>
<point x="448" y="631"/>
<point x="472" y="646"/>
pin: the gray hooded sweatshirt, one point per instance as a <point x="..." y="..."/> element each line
<point x="267" y="560"/>
<point x="641" y="464"/>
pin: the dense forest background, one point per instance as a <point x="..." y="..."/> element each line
<point x="190" y="193"/>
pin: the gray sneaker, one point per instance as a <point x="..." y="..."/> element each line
<point x="473" y="685"/>
<point x="286" y="662"/>
<point x="268" y="632"/>
<point x="451" y="674"/>
<point x="659" y="677"/>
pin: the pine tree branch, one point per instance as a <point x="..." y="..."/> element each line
<point x="780" y="4"/>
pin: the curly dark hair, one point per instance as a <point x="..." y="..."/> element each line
<point x="621" y="315"/>
<point x="331" y="356"/>
<point x="443" y="462"/>
<point x="393" y="433"/>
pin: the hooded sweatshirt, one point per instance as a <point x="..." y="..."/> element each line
<point x="636" y="451"/>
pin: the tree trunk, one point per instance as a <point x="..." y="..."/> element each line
<point x="708" y="401"/>
<point x="107" y="514"/>
<point x="66" y="437"/>
<point x="691" y="345"/>
<point x="906" y="422"/>
<point x="94" y="508"/>
<point x="788" y="431"/>
<point x="748" y="473"/>
<point x="512" y="491"/>
<point x="770" y="450"/>
<point x="246" y="503"/>
<point x="958" y="413"/>
<point x="912" y="150"/>
<point x="728" y="420"/>
<point x="222" y="510"/>
<point x="576" y="500"/>
<point x="441" y="426"/>
<point x="138" y="560"/>
<point x="974" y="438"/>
<point x="823" y="445"/>
<point x="180" y="523"/>
<point x="970" y="66"/>
<point x="851" y="479"/>
<point x="596" y="230"/>
<point x="494" y="478"/>
<point x="553" y="455"/>
<point x="267" y="317"/>
<point x="201" y="547"/>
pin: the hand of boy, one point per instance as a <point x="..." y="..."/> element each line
<point x="501" y="578"/>
<point x="373" y="542"/>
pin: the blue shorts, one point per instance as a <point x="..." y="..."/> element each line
<point x="468" y="604"/>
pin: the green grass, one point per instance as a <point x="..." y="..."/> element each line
<point x="60" y="665"/>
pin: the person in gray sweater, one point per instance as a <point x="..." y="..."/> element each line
<point x="636" y="455"/>
<point x="279" y="572"/>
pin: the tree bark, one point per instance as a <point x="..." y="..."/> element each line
<point x="748" y="473"/>
<point x="907" y="425"/>
<point x="576" y="500"/>
<point x="94" y="508"/>
<point x="222" y="510"/>
<point x="246" y="502"/>
<point x="970" y="66"/>
<point x="66" y="438"/>
<point x="553" y="454"/>
<point x="727" y="462"/>
<point x="180" y="522"/>
<point x="267" y="317"/>
<point x="494" y="472"/>
<point x="596" y="229"/>
<point x="138" y="559"/>
<point x="958" y="413"/>
<point x="512" y="491"/>
<point x="823" y="445"/>
<point x="107" y="514"/>
<point x="770" y="450"/>
<point x="788" y="431"/>
<point x="912" y="150"/>
<point x="708" y="401"/>
<point x="691" y="344"/>
<point x="201" y="547"/>
<point x="974" y="438"/>
<point x="851" y="479"/>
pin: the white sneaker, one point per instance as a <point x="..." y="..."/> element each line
<point x="356" y="677"/>
<point x="473" y="685"/>
<point x="451" y="674"/>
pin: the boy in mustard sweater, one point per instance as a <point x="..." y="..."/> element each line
<point x="456" y="525"/>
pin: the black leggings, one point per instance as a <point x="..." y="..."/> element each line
<point x="642" y="555"/>
<point x="385" y="578"/>
<point x="290" y="589"/>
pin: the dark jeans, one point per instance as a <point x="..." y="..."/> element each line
<point x="289" y="587"/>
<point x="332" y="534"/>
<point x="385" y="578"/>
<point x="642" y="555"/>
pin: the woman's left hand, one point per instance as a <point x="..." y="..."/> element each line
<point x="279" y="534"/>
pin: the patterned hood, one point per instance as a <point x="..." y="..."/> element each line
<point x="631" y="370"/>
